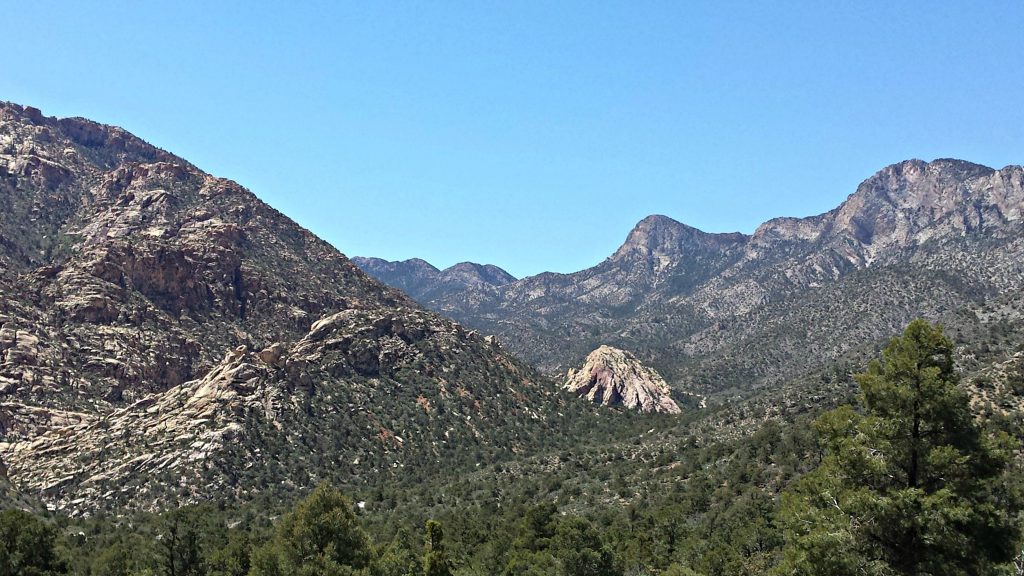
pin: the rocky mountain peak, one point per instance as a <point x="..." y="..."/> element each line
<point x="472" y="273"/>
<point x="909" y="202"/>
<point x="654" y="235"/>
<point x="903" y="205"/>
<point x="412" y="265"/>
<point x="667" y="241"/>
<point x="133" y="288"/>
<point x="613" y="377"/>
<point x="916" y="182"/>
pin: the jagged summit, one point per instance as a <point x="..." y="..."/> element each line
<point x="661" y="237"/>
<point x="613" y="377"/>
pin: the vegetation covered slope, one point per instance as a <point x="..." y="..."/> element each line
<point x="142" y="370"/>
<point x="666" y="498"/>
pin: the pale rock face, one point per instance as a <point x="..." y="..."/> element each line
<point x="614" y="377"/>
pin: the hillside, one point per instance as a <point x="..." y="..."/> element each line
<point x="181" y="363"/>
<point x="165" y="337"/>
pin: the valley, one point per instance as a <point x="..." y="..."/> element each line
<point x="175" y="354"/>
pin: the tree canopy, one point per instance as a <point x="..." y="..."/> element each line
<point x="320" y="536"/>
<point x="909" y="484"/>
<point x="27" y="546"/>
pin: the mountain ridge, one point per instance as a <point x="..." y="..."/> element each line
<point x="423" y="281"/>
<point x="675" y="295"/>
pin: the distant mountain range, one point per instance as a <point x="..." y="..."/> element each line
<point x="424" y="283"/>
<point x="718" y="313"/>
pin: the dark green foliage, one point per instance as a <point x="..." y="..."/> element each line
<point x="537" y="527"/>
<point x="114" y="561"/>
<point x="909" y="486"/>
<point x="396" y="559"/>
<point x="181" y="543"/>
<point x="320" y="537"/>
<point x="233" y="558"/>
<point x="27" y="546"/>
<point x="435" y="559"/>
<point x="620" y="493"/>
<point x="578" y="547"/>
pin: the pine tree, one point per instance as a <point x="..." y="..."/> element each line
<point x="27" y="546"/>
<point x="321" y="537"/>
<point x="908" y="486"/>
<point x="435" y="561"/>
<point x="578" y="547"/>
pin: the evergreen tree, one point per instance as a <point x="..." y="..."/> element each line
<point x="181" y="545"/>
<point x="908" y="486"/>
<point x="578" y="547"/>
<point x="27" y="546"/>
<point x="396" y="559"/>
<point x="321" y="537"/>
<point x="112" y="561"/>
<point x="435" y="561"/>
<point x="233" y="558"/>
<point x="537" y="526"/>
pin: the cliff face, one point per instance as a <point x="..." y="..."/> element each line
<point x="153" y="316"/>
<point x="613" y="377"/>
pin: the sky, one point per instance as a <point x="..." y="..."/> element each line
<point x="532" y="135"/>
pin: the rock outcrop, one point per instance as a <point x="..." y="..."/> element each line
<point x="283" y="409"/>
<point x="613" y="377"/>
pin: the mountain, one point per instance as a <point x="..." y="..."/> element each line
<point x="166" y="337"/>
<point x="727" y="313"/>
<point x="424" y="283"/>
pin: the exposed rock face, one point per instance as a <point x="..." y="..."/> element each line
<point x="728" y="312"/>
<point x="165" y="337"/>
<point x="424" y="283"/>
<point x="135" y="270"/>
<point x="614" y="377"/>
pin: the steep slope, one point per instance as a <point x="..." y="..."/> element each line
<point x="132" y="287"/>
<point x="424" y="283"/>
<point x="728" y="312"/>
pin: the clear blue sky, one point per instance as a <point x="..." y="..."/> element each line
<point x="532" y="135"/>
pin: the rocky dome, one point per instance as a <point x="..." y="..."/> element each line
<point x="613" y="377"/>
